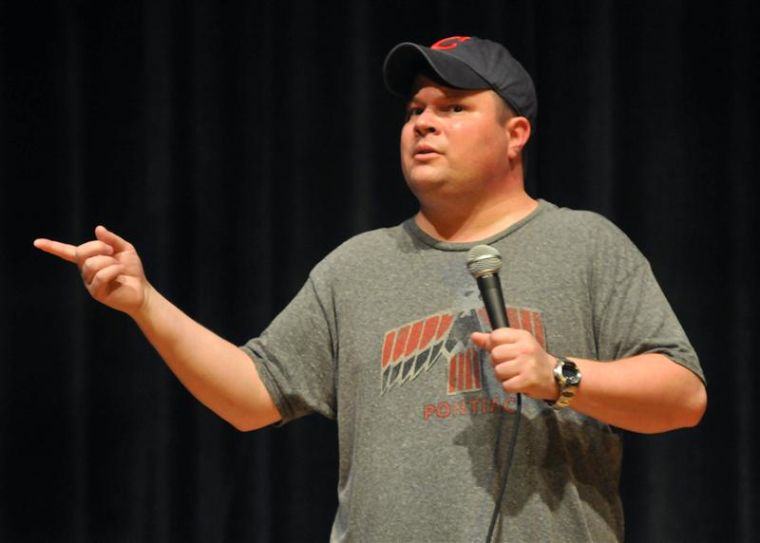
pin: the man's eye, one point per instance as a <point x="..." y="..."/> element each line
<point x="412" y="111"/>
<point x="456" y="108"/>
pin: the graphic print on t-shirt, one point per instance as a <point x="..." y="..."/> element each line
<point x="415" y="347"/>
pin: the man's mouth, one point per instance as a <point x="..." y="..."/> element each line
<point x="425" y="151"/>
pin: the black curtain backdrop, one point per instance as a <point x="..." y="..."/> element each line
<point x="236" y="143"/>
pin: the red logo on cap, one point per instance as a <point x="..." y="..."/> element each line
<point x="449" y="43"/>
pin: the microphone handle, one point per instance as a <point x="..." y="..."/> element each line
<point x="493" y="299"/>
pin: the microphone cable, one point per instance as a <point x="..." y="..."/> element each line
<point x="505" y="477"/>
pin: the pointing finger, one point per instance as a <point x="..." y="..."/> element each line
<point x="61" y="250"/>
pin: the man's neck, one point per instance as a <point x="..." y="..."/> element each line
<point x="477" y="222"/>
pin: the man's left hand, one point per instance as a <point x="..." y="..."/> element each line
<point x="519" y="362"/>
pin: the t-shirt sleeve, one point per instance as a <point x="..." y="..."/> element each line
<point x="295" y="356"/>
<point x="631" y="313"/>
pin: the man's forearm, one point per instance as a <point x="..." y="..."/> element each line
<point x="214" y="370"/>
<point x="646" y="393"/>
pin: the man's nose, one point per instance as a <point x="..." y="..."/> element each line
<point x="426" y="122"/>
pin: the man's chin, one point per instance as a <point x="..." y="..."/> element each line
<point x="429" y="188"/>
<point x="424" y="183"/>
<point x="424" y="174"/>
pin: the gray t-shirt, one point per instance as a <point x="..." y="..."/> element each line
<point x="378" y="338"/>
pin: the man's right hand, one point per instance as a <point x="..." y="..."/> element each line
<point x="110" y="268"/>
<point x="217" y="372"/>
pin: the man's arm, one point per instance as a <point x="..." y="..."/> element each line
<point x="214" y="370"/>
<point x="647" y="393"/>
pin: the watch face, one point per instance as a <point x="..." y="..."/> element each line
<point x="571" y="374"/>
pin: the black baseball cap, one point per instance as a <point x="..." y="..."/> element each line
<point x="463" y="62"/>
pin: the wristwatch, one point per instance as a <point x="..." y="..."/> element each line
<point x="568" y="378"/>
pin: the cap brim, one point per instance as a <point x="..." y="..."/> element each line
<point x="407" y="60"/>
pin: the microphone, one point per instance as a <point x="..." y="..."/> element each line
<point x="484" y="263"/>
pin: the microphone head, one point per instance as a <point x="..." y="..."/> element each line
<point x="483" y="260"/>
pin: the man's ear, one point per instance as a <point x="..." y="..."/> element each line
<point x="518" y="130"/>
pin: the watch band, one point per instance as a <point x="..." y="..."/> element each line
<point x="568" y="378"/>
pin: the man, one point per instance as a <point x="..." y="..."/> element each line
<point x="389" y="336"/>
